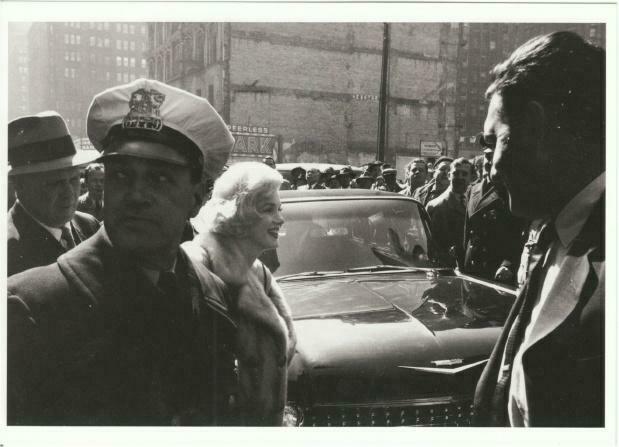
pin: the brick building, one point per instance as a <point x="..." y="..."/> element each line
<point x="72" y="61"/>
<point x="18" y="69"/>
<point x="483" y="45"/>
<point x="309" y="91"/>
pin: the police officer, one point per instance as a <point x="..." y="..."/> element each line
<point x="116" y="332"/>
<point x="492" y="235"/>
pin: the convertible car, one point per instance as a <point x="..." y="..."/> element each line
<point x="386" y="337"/>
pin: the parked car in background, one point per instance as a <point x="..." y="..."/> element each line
<point x="386" y="337"/>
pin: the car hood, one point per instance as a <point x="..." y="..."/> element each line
<point x="373" y="324"/>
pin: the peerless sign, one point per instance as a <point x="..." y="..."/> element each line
<point x="248" y="129"/>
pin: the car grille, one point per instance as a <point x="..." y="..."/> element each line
<point x="446" y="413"/>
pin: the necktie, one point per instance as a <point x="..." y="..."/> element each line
<point x="537" y="247"/>
<point x="66" y="238"/>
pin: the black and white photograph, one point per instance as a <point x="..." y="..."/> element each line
<point x="352" y="223"/>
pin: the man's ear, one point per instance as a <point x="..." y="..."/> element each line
<point x="535" y="122"/>
<point x="199" y="193"/>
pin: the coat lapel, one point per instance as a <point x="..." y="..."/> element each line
<point x="487" y="200"/>
<point x="573" y="274"/>
<point x="474" y="199"/>
<point x="31" y="232"/>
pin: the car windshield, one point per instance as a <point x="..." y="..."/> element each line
<point x="338" y="235"/>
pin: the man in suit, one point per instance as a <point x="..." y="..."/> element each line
<point x="416" y="174"/>
<point x="116" y="332"/>
<point x="546" y="124"/>
<point x="492" y="235"/>
<point x="447" y="212"/>
<point x="45" y="171"/>
<point x="91" y="202"/>
<point x="437" y="185"/>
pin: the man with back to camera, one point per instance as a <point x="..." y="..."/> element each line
<point x="116" y="331"/>
<point x="437" y="185"/>
<point x="91" y="202"/>
<point x="447" y="212"/>
<point x="45" y="171"/>
<point x="270" y="162"/>
<point x="546" y="123"/>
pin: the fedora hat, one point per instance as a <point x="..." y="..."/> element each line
<point x="149" y="110"/>
<point x="40" y="143"/>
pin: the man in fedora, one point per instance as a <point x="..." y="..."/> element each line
<point x="117" y="332"/>
<point x="45" y="171"/>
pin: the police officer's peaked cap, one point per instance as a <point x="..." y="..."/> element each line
<point x="150" y="110"/>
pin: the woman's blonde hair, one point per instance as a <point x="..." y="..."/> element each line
<point x="231" y="211"/>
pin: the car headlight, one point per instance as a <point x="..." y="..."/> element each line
<point x="293" y="415"/>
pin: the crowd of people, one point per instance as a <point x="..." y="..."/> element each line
<point x="137" y="301"/>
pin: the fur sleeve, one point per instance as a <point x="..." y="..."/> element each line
<point x="279" y="301"/>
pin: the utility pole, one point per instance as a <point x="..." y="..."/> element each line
<point x="384" y="93"/>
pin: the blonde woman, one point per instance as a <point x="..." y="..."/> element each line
<point x="240" y="221"/>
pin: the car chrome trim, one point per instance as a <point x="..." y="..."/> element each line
<point x="450" y="371"/>
<point x="494" y="285"/>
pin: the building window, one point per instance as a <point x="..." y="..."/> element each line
<point x="107" y="42"/>
<point x="106" y="26"/>
<point x="119" y="77"/>
<point x="100" y="26"/>
<point x="492" y="44"/>
<point x="92" y="41"/>
<point x="143" y="29"/>
<point x="118" y="28"/>
<point x="592" y="32"/>
<point x="126" y="61"/>
<point x="125" y="45"/>
<point x="66" y="55"/>
<point x="126" y="77"/>
<point x="92" y="58"/>
<point x="108" y="76"/>
<point x="99" y="42"/>
<point x="132" y="77"/>
<point x="132" y="45"/>
<point x="77" y="39"/>
<point x="119" y="61"/>
<point x="132" y="62"/>
<point x="66" y="72"/>
<point x="143" y="63"/>
<point x="125" y="28"/>
<point x="131" y="29"/>
<point x="119" y="45"/>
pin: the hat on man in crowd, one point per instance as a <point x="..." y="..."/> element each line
<point x="365" y="181"/>
<point x="347" y="170"/>
<point x="444" y="158"/>
<point x="150" y="110"/>
<point x="40" y="143"/>
<point x="294" y="172"/>
<point x="389" y="171"/>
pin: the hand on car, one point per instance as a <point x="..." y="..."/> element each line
<point x="503" y="274"/>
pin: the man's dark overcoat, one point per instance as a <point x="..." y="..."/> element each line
<point x="91" y="341"/>
<point x="30" y="245"/>
<point x="87" y="204"/>
<point x="447" y="225"/>
<point x="564" y="360"/>
<point x="426" y="192"/>
<point x="492" y="234"/>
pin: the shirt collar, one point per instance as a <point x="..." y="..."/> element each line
<point x="55" y="232"/>
<point x="574" y="215"/>
<point x="153" y="275"/>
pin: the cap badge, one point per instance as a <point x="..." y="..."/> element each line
<point x="144" y="110"/>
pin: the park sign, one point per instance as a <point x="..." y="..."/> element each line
<point x="431" y="149"/>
